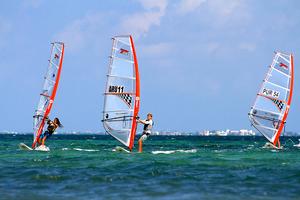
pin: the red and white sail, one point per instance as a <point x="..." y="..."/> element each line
<point x="48" y="93"/>
<point x="272" y="104"/>
<point x="122" y="92"/>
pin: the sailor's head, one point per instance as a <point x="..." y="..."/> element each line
<point x="56" y="121"/>
<point x="149" y="116"/>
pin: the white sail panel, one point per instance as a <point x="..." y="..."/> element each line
<point x="121" y="102"/>
<point x="47" y="95"/>
<point x="269" y="112"/>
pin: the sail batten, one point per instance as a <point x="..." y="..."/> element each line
<point x="274" y="84"/>
<point x="122" y="93"/>
<point x="269" y="112"/>
<point x="118" y="111"/>
<point x="282" y="73"/>
<point x="47" y="96"/>
<point x="124" y="77"/>
<point x="54" y="64"/>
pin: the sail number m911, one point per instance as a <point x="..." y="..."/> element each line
<point x="115" y="88"/>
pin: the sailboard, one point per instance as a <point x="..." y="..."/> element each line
<point x="122" y="92"/>
<point x="272" y="104"/>
<point x="47" y="96"/>
<point x="24" y="147"/>
<point x="121" y="149"/>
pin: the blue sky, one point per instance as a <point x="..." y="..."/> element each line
<point x="201" y="61"/>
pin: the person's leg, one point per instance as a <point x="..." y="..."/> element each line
<point x="43" y="141"/>
<point x="141" y="140"/>
<point x="40" y="139"/>
<point x="140" y="146"/>
<point x="45" y="136"/>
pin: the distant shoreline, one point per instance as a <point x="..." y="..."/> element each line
<point x="192" y="134"/>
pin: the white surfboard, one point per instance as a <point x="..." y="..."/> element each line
<point x="121" y="149"/>
<point x="42" y="148"/>
<point x="23" y="146"/>
<point x="269" y="145"/>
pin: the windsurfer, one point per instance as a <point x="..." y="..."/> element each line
<point x="52" y="126"/>
<point x="148" y="124"/>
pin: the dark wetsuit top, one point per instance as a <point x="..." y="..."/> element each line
<point x="148" y="127"/>
<point x="51" y="127"/>
<point x="50" y="130"/>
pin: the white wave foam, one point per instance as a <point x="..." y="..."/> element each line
<point x="78" y="149"/>
<point x="89" y="150"/>
<point x="163" y="152"/>
<point x="188" y="151"/>
<point x="174" y="151"/>
<point x="297" y="145"/>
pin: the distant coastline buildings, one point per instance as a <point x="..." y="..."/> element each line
<point x="242" y="132"/>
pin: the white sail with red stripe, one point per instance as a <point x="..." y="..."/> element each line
<point x="272" y="104"/>
<point x="122" y="92"/>
<point x="48" y="93"/>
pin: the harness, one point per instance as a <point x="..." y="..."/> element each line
<point x="147" y="128"/>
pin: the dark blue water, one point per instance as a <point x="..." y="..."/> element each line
<point x="85" y="167"/>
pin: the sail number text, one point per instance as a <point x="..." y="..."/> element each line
<point x="272" y="93"/>
<point x="117" y="89"/>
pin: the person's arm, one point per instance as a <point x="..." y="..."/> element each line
<point x="140" y="121"/>
<point x="48" y="120"/>
<point x="55" y="125"/>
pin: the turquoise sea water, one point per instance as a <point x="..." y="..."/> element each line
<point x="85" y="167"/>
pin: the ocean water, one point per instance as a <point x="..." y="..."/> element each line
<point x="85" y="167"/>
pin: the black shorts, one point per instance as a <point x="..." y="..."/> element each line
<point x="45" y="134"/>
<point x="146" y="133"/>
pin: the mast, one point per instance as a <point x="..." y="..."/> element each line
<point x="291" y="86"/>
<point x="137" y="97"/>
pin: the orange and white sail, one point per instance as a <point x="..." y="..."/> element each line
<point x="122" y="92"/>
<point x="272" y="104"/>
<point x="48" y="93"/>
